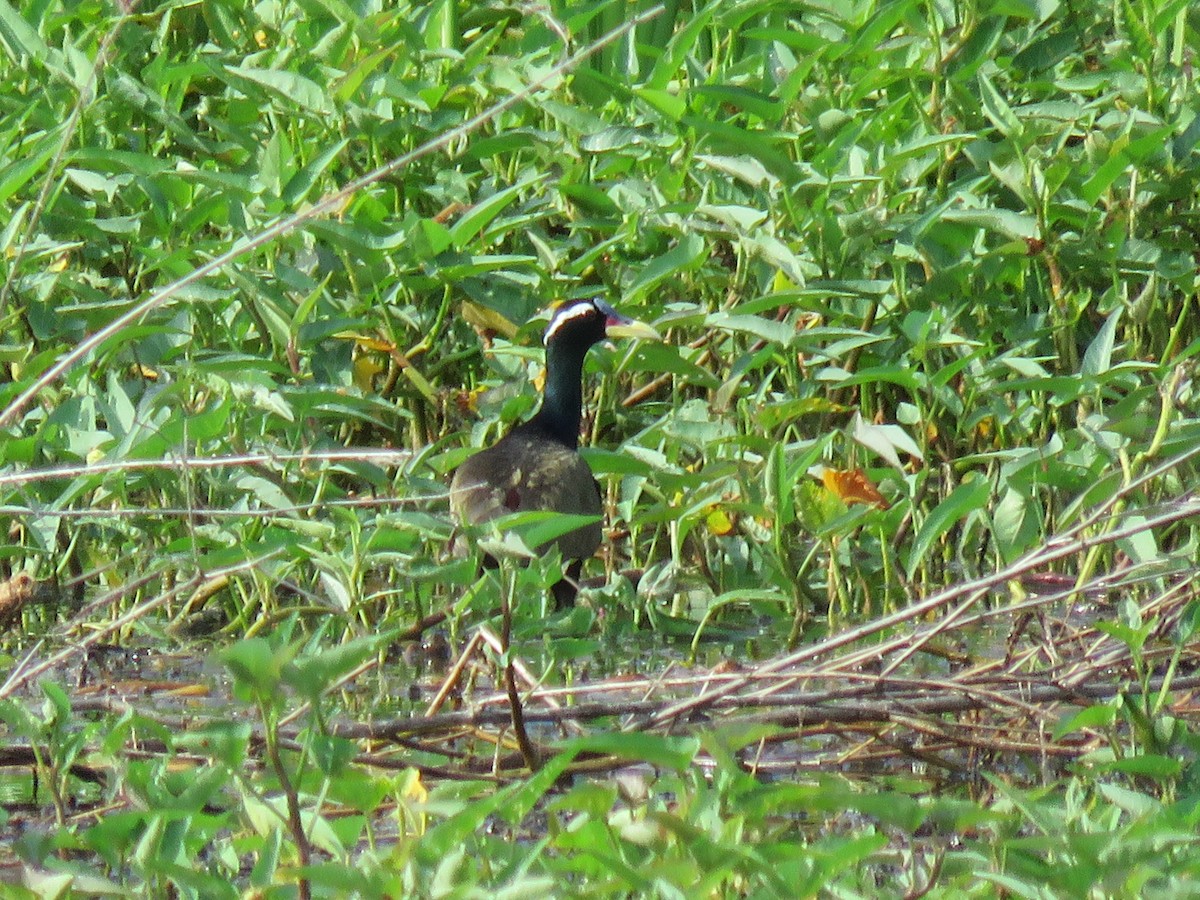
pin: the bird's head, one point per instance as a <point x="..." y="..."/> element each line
<point x="587" y="322"/>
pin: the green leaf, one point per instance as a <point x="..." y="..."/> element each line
<point x="1124" y="155"/>
<point x="313" y="673"/>
<point x="670" y="105"/>
<point x="1141" y="546"/>
<point x="538" y="527"/>
<point x="767" y="329"/>
<point x="131" y="91"/>
<point x="1099" y="717"/>
<point x="267" y="491"/>
<point x="681" y="258"/>
<point x="256" y="666"/>
<point x="225" y="741"/>
<point x="778" y="254"/>
<point x="1006" y="222"/>
<point x="1097" y="359"/>
<point x="17" y="174"/>
<point x="20" y="38"/>
<point x="746" y="169"/>
<point x="729" y="139"/>
<point x="764" y="107"/>
<point x="477" y="218"/>
<point x="683" y="42"/>
<point x="300" y="184"/>
<point x="902" y="375"/>
<point x="349" y="84"/>
<point x="675" y="753"/>
<point x="609" y="140"/>
<point x="1149" y="765"/>
<point x="290" y="87"/>
<point x="1016" y="524"/>
<point x="970" y="496"/>
<point x="996" y="108"/>
<point x="449" y="835"/>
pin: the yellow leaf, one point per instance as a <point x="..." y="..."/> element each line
<point x="488" y="320"/>
<point x="366" y="367"/>
<point x="411" y="786"/>
<point x="412" y="796"/>
<point x="718" y="522"/>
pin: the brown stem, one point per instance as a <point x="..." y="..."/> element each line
<point x="532" y="759"/>
<point x="294" y="822"/>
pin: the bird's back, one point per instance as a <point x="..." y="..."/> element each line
<point x="527" y="471"/>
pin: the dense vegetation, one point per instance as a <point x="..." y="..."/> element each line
<point x="927" y="273"/>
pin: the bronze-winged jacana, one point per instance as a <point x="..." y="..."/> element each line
<point x="537" y="466"/>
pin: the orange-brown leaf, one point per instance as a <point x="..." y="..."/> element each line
<point x="448" y="212"/>
<point x="366" y="341"/>
<point x="853" y="486"/>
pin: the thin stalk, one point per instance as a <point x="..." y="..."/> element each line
<point x="294" y="822"/>
<point x="528" y="751"/>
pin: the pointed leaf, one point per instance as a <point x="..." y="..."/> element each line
<point x="885" y="440"/>
<point x="1097" y="359"/>
<point x="996" y="108"/>
<point x="967" y="498"/>
<point x="291" y="87"/>
<point x="477" y="217"/>
<point x="680" y="258"/>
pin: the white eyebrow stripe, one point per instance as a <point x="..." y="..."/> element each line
<point x="566" y="314"/>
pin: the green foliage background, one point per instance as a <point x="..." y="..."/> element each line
<point x="953" y="245"/>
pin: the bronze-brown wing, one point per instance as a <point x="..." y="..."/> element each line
<point x="527" y="472"/>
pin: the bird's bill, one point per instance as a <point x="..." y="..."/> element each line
<point x="625" y="327"/>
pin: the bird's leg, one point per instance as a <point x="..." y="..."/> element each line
<point x="567" y="587"/>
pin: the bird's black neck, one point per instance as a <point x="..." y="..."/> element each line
<point x="562" y="399"/>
